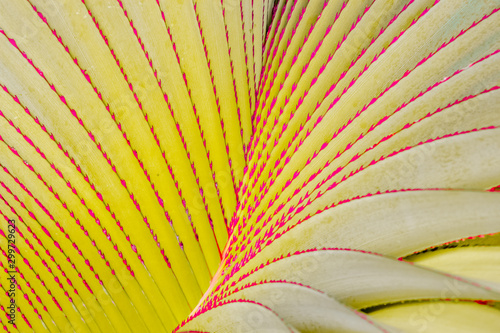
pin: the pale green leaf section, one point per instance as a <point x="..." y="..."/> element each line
<point x="481" y="263"/>
<point x="395" y="224"/>
<point x="449" y="163"/>
<point x="239" y="317"/>
<point x="441" y="317"/>
<point x="361" y="280"/>
<point x="308" y="310"/>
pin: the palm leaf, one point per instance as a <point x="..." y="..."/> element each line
<point x="249" y="166"/>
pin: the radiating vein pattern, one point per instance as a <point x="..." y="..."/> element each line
<point x="249" y="166"/>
